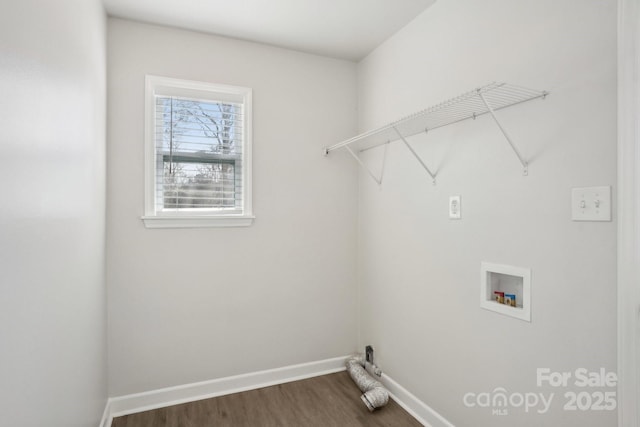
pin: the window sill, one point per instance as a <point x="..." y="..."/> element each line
<point x="197" y="221"/>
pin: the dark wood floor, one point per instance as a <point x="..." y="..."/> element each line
<point x="329" y="400"/>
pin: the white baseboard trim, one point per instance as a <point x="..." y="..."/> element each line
<point x="139" y="402"/>
<point x="414" y="406"/>
<point x="106" y="419"/>
<point x="154" y="399"/>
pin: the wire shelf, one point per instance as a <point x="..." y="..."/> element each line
<point x="494" y="96"/>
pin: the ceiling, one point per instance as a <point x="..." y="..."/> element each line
<point x="347" y="29"/>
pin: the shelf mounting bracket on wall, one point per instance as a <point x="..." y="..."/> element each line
<point x="525" y="165"/>
<point x="378" y="180"/>
<point x="431" y="174"/>
<point x="485" y="100"/>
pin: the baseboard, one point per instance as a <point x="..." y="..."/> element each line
<point x="106" y="415"/>
<point x="417" y="408"/>
<point x="139" y="402"/>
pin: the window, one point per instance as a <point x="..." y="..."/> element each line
<point x="198" y="154"/>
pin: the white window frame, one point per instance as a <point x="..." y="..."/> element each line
<point x="155" y="85"/>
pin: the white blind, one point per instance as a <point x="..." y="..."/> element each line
<point x="199" y="146"/>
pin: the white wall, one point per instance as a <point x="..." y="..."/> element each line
<point x="192" y="305"/>
<point x="420" y="271"/>
<point x="52" y="215"/>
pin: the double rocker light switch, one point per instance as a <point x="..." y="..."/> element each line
<point x="591" y="204"/>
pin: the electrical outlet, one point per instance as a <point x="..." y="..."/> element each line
<point x="455" y="209"/>
<point x="368" y="351"/>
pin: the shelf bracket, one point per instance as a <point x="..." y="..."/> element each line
<point x="431" y="174"/>
<point x="525" y="165"/>
<point x="361" y="163"/>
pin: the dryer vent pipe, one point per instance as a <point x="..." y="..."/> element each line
<point x="375" y="395"/>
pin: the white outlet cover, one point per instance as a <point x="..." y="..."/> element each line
<point x="591" y="203"/>
<point x="455" y="208"/>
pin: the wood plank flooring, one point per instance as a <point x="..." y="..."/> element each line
<point x="327" y="401"/>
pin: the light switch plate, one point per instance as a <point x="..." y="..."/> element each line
<point x="455" y="209"/>
<point x="591" y="203"/>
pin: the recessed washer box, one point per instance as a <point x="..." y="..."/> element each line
<point x="508" y="280"/>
